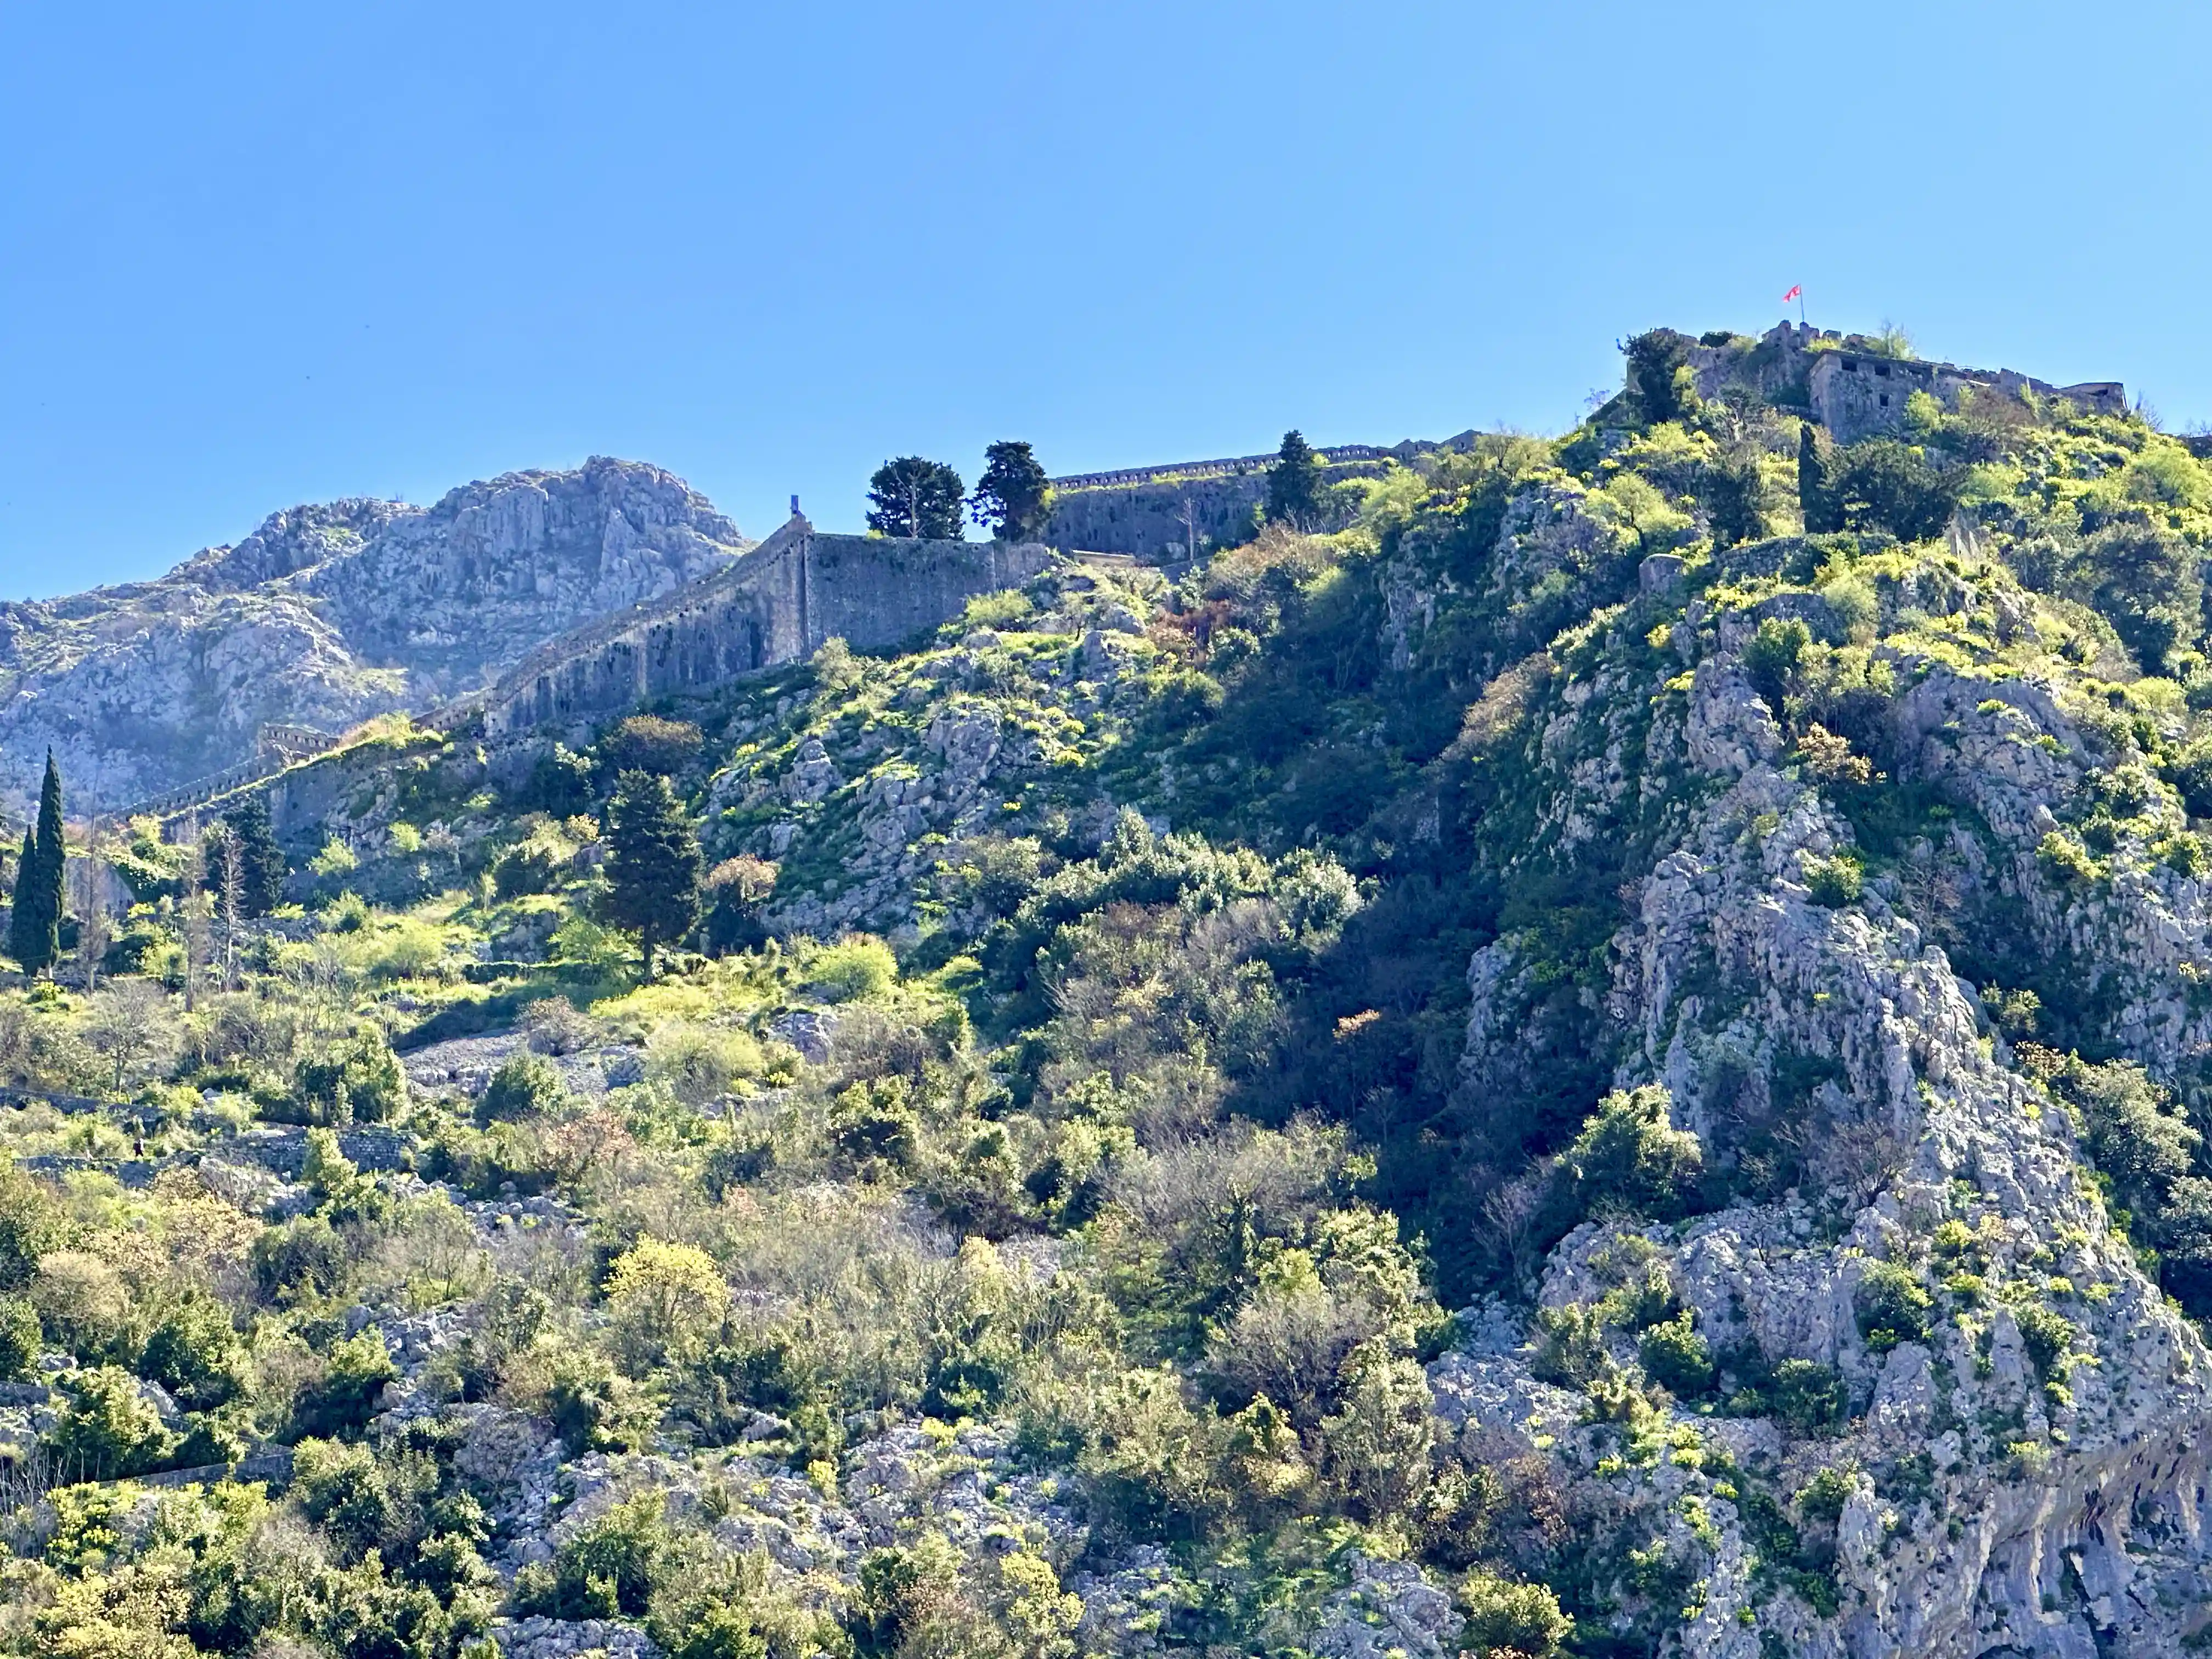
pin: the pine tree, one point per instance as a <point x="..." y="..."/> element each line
<point x="1013" y="497"/>
<point x="1294" y="483"/>
<point x="34" y="925"/>
<point x="260" y="861"/>
<point x="654" y="867"/>
<point x="913" y="496"/>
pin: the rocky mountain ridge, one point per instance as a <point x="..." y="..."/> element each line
<point x="328" y="615"/>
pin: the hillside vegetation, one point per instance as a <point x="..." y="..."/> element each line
<point x="1607" y="1061"/>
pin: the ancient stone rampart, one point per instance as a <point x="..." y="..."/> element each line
<point x="776" y="604"/>
<point x="1856" y="392"/>
<point x="1157" y="512"/>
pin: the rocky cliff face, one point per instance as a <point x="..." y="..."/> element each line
<point x="328" y="614"/>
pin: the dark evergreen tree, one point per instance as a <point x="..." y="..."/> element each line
<point x="34" y="925"/>
<point x="1012" y="496"/>
<point x="1735" y="497"/>
<point x="1659" y="374"/>
<point x="561" y="783"/>
<point x="912" y="496"/>
<point x="252" y="841"/>
<point x="23" y="937"/>
<point x="1879" y="484"/>
<point x="1816" y="484"/>
<point x="654" y="866"/>
<point x="1294" y="483"/>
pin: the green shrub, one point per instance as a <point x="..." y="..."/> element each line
<point x="1891" y="1306"/>
<point x="196" y="1354"/>
<point x="536" y="864"/>
<point x="20" y="1342"/>
<point x="1771" y="657"/>
<point x="856" y="966"/>
<point x="1572" y="1353"/>
<point x="646" y="743"/>
<point x="1805" y="1394"/>
<point x="1675" y="1357"/>
<point x="343" y="1491"/>
<point x="1510" y="1620"/>
<point x="300" y="1261"/>
<point x="1629" y="1157"/>
<point x="593" y="1408"/>
<point x="2065" y="857"/>
<point x="525" y="1084"/>
<point x="874" y="1124"/>
<point x="702" y="1063"/>
<point x="347" y="1395"/>
<point x="613" y="1565"/>
<point x="107" y="1431"/>
<point x="2047" y="1334"/>
<point x="31" y="1224"/>
<point x="1834" y="882"/>
<point x="355" y="1082"/>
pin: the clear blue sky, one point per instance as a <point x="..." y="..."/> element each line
<point x="256" y="255"/>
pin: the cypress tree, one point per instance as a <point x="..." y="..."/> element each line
<point x="653" y="871"/>
<point x="23" y="931"/>
<point x="34" y="925"/>
<point x="1816" y="487"/>
<point x="261" y="862"/>
<point x="1294" y="483"/>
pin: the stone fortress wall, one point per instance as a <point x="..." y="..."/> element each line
<point x="776" y="604"/>
<point x="1140" y="511"/>
<point x="1854" y="393"/>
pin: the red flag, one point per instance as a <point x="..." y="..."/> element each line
<point x="1795" y="289"/>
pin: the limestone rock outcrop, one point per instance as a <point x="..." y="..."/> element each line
<point x="328" y="614"/>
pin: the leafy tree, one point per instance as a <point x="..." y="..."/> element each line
<point x="1012" y="498"/>
<point x="654" y="866"/>
<point x="2146" y="582"/>
<point x="1659" y="374"/>
<point x="646" y="743"/>
<point x="664" y="1299"/>
<point x="736" y="889"/>
<point x="1883" y="484"/>
<point x="357" y="1082"/>
<point x="252" y="841"/>
<point x="1294" y="483"/>
<point x="34" y="937"/>
<point x="1735" y="497"/>
<point x="913" y="496"/>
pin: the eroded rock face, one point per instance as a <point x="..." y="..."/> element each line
<point x="328" y="614"/>
<point x="1998" y="1488"/>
